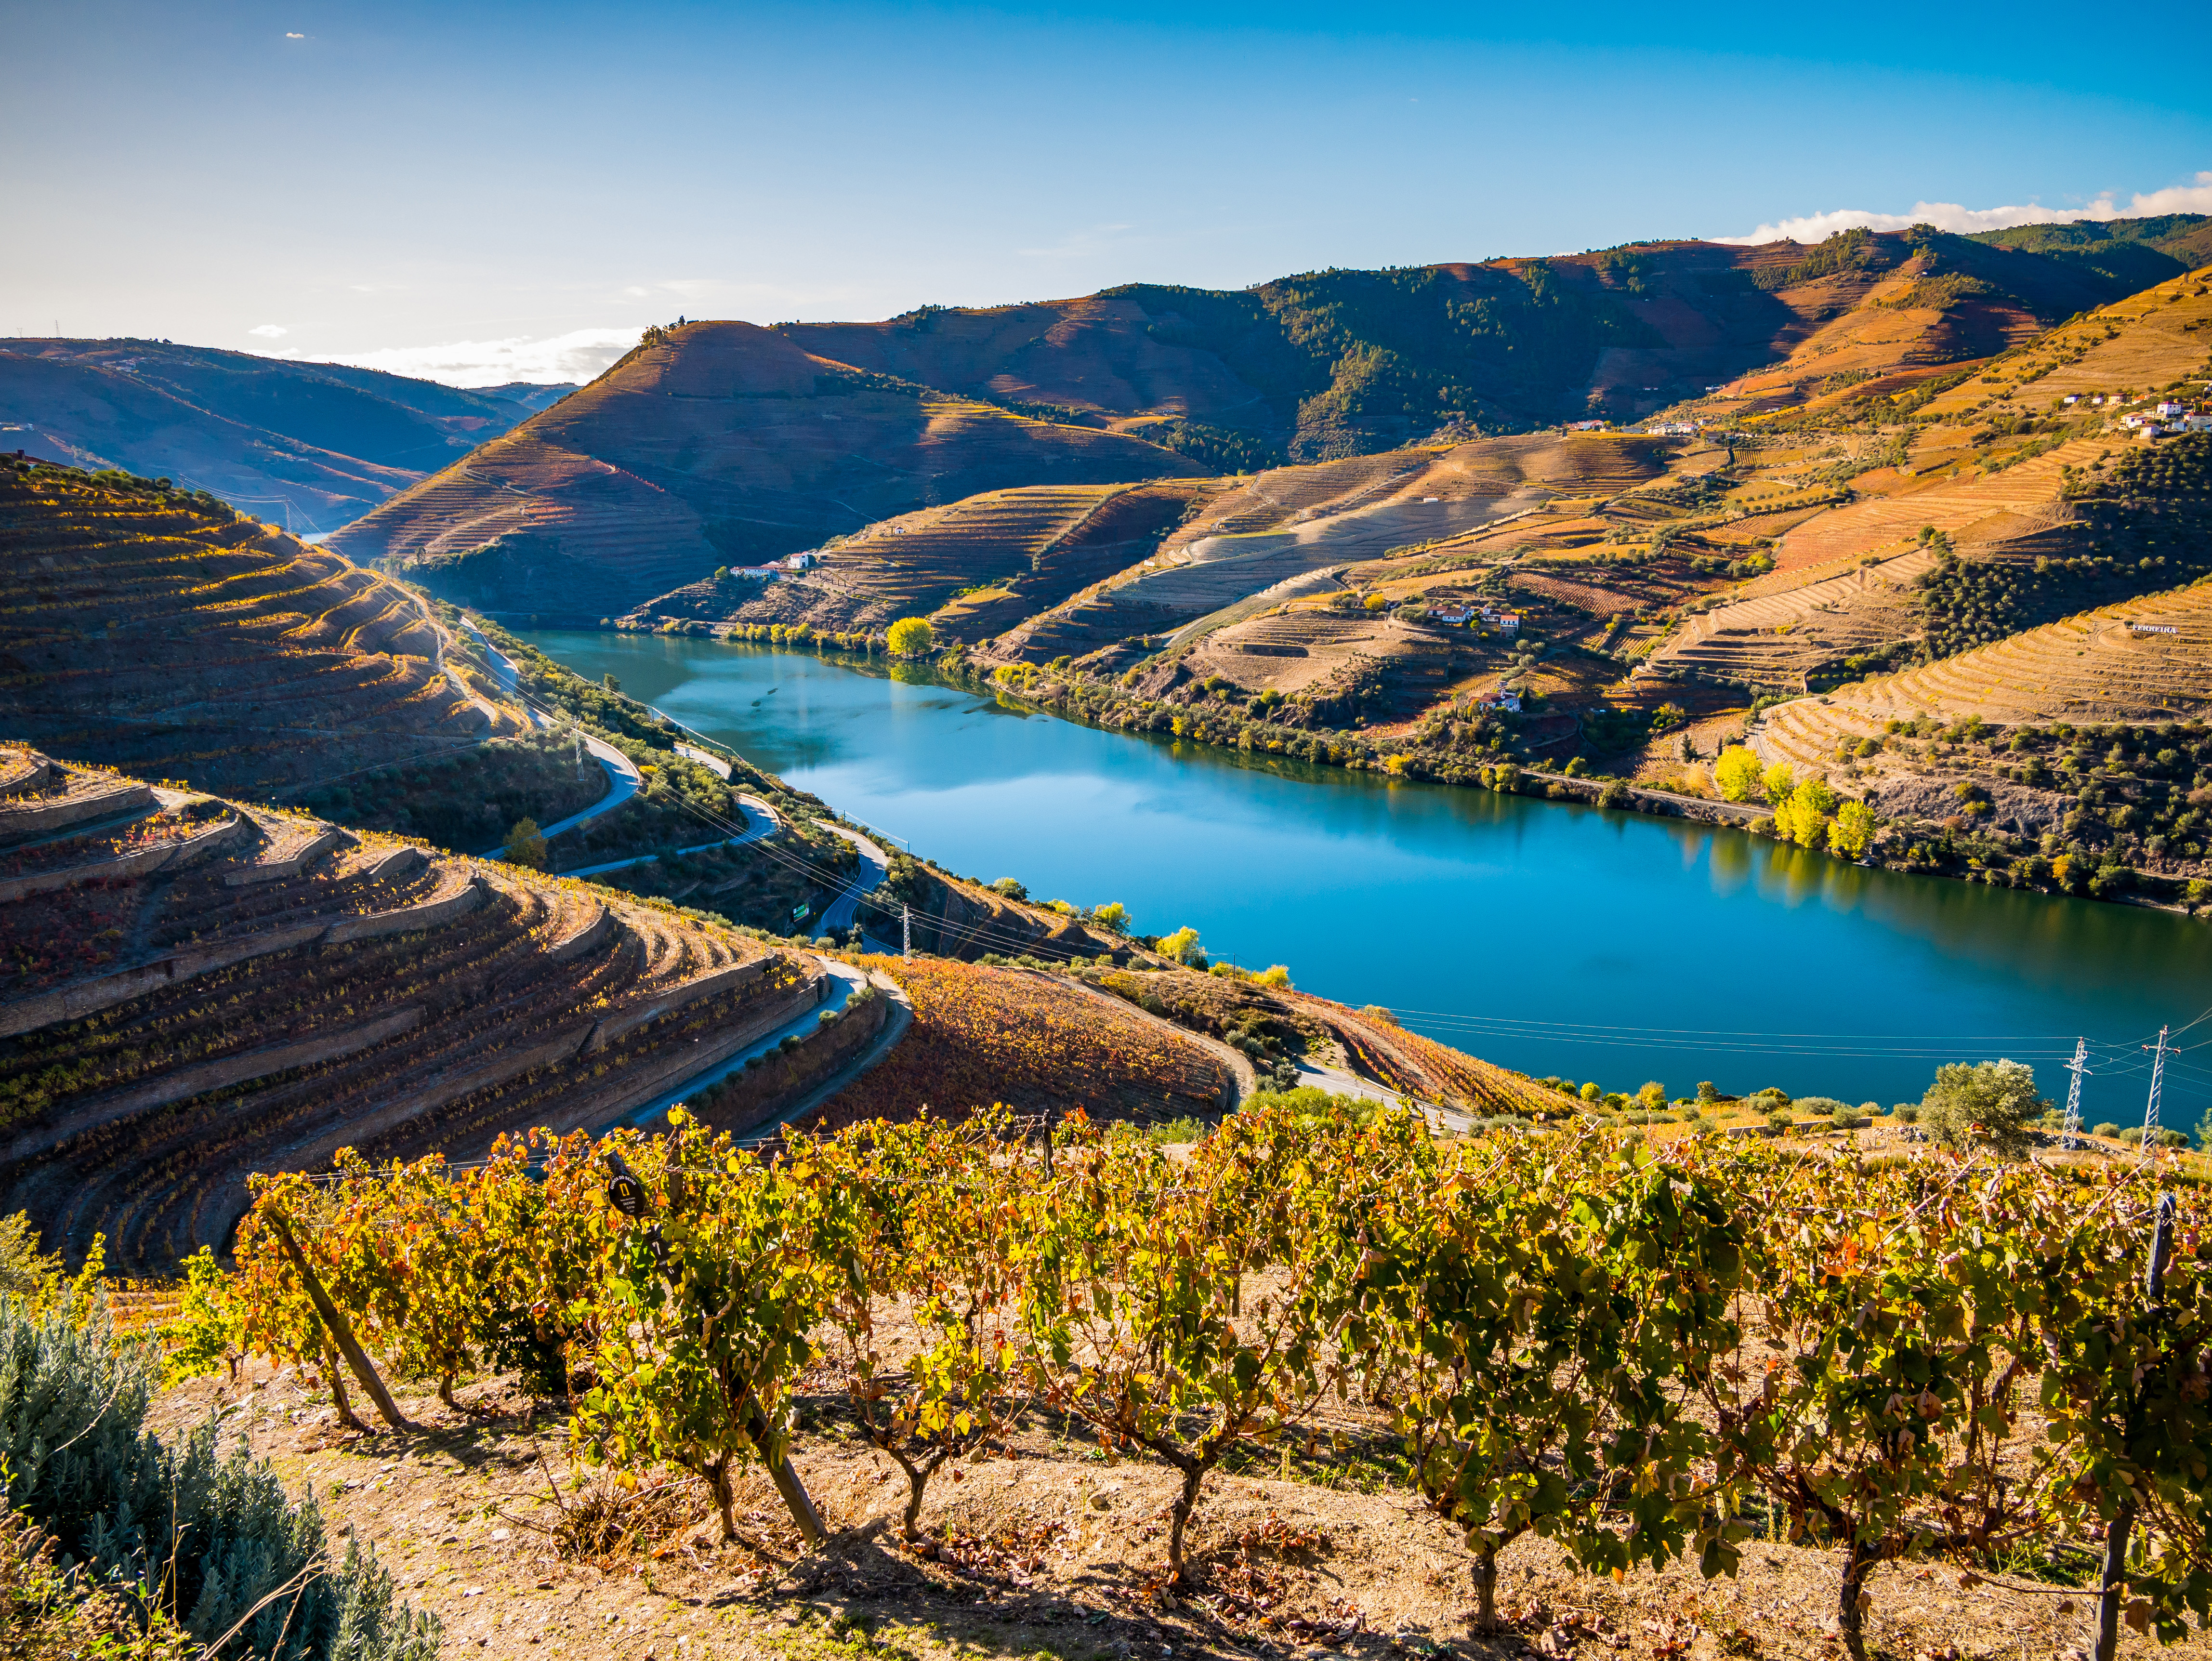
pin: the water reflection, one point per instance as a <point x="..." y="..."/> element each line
<point x="1491" y="909"/>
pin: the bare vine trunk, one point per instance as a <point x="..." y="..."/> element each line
<point x="338" y="1398"/>
<point x="1193" y="1474"/>
<point x="1850" y="1598"/>
<point x="1486" y="1590"/>
<point x="2112" y="1588"/>
<point x="718" y="1477"/>
<point x="917" y="1480"/>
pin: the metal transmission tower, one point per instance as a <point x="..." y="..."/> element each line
<point x="906" y="931"/>
<point x="2078" y="1066"/>
<point x="2157" y="1077"/>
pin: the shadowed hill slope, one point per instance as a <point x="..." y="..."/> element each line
<point x="2135" y="252"/>
<point x="717" y="443"/>
<point x="192" y="990"/>
<point x="323" y="440"/>
<point x="157" y="631"/>
<point x="1335" y="363"/>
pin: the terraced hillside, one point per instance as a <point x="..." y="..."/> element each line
<point x="713" y="444"/>
<point x="2015" y="476"/>
<point x="320" y="441"/>
<point x="2148" y="660"/>
<point x="975" y="567"/>
<point x="155" y="631"/>
<point x="193" y="989"/>
<point x="1266" y="544"/>
<point x="1035" y="1042"/>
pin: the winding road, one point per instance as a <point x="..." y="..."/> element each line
<point x="845" y="979"/>
<point x="874" y="863"/>
<point x="764" y="822"/>
<point x="624" y="780"/>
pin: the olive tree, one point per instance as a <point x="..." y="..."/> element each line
<point x="1991" y="1102"/>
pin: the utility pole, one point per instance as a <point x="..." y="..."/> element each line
<point x="906" y="931"/>
<point x="2157" y="1077"/>
<point x="2078" y="1066"/>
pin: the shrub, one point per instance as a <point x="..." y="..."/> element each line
<point x="1781" y="1118"/>
<point x="524" y="847"/>
<point x="73" y="1405"/>
<point x="1907" y="1112"/>
<point x="2107" y="1128"/>
<point x="1826" y="1106"/>
<point x="1990" y="1101"/>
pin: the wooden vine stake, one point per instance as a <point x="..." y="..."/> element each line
<point x="349" y="1346"/>
<point x="2113" y="1586"/>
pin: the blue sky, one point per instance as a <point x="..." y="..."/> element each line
<point x="472" y="191"/>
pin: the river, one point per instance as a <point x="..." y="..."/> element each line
<point x="1553" y="938"/>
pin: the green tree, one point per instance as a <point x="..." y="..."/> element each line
<point x="910" y="637"/>
<point x="1852" y="833"/>
<point x="1993" y="1102"/>
<point x="1736" y="773"/>
<point x="1802" y="814"/>
<point x="524" y="846"/>
<point x="1776" y="782"/>
<point x="1113" y="915"/>
<point x="610" y="683"/>
<point x="1182" y="946"/>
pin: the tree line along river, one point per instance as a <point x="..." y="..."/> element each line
<point x="1550" y="937"/>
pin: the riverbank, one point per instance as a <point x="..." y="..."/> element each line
<point x="1489" y="750"/>
<point x="1541" y="933"/>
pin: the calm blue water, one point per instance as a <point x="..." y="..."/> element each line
<point x="1552" y="938"/>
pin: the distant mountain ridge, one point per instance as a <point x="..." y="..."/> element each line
<point x="723" y="444"/>
<point x="319" y="444"/>
<point x="1344" y="363"/>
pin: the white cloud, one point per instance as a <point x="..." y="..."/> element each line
<point x="270" y="330"/>
<point x="580" y="354"/>
<point x="1953" y="217"/>
<point x="289" y="36"/>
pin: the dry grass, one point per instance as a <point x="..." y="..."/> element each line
<point x="1040" y="1547"/>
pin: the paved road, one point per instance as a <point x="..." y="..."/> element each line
<point x="764" y="823"/>
<point x="874" y="864"/>
<point x="705" y="758"/>
<point x="504" y="674"/>
<point x="845" y="980"/>
<point x="624" y="780"/>
<point x="896" y="1018"/>
<point x="1338" y="1082"/>
<point x="1744" y="812"/>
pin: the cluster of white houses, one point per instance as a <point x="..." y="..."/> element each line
<point x="1460" y="616"/>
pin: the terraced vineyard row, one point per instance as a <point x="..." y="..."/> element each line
<point x="2142" y="661"/>
<point x="128" y="612"/>
<point x="274" y="988"/>
<point x="983" y="1036"/>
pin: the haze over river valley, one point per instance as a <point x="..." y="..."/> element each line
<point x="1552" y="938"/>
